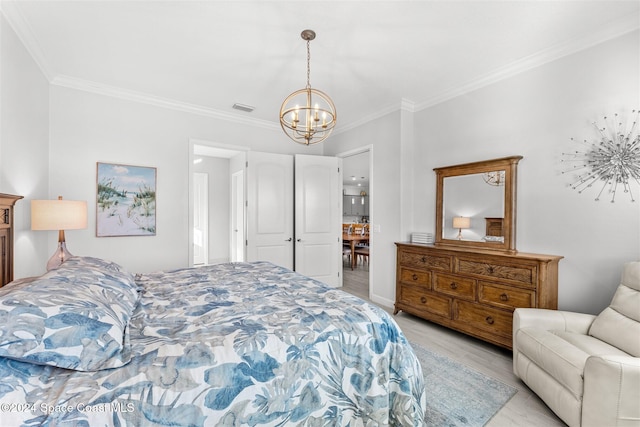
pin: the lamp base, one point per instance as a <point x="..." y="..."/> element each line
<point x="59" y="256"/>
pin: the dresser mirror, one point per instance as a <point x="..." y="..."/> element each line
<point x="476" y="204"/>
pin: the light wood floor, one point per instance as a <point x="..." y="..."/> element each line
<point x="524" y="409"/>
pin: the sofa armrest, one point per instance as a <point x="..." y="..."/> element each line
<point x="611" y="391"/>
<point x="552" y="320"/>
<point x="547" y="320"/>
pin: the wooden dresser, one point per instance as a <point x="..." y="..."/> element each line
<point x="6" y="237"/>
<point x="473" y="291"/>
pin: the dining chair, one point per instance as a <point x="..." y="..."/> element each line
<point x="362" y="252"/>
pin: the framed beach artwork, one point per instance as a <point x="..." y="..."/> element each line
<point x="126" y="200"/>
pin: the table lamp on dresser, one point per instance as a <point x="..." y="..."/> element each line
<point x="58" y="215"/>
<point x="461" y="222"/>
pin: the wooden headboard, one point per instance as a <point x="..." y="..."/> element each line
<point x="7" y="201"/>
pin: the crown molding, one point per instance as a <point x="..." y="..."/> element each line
<point x="371" y="117"/>
<point x="606" y="32"/>
<point x="408" y="105"/>
<point x="23" y="30"/>
<point x="144" y="98"/>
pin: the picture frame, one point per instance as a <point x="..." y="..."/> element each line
<point x="125" y="200"/>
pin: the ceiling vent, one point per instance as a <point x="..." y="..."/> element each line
<point x="243" y="107"/>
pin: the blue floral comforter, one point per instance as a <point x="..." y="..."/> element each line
<point x="233" y="344"/>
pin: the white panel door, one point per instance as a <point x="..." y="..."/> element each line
<point x="270" y="208"/>
<point x="200" y="218"/>
<point x="318" y="218"/>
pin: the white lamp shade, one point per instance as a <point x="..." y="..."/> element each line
<point x="58" y="214"/>
<point x="461" y="222"/>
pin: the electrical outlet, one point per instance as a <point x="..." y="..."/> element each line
<point x="376" y="228"/>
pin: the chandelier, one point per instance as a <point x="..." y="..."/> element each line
<point x="308" y="115"/>
<point x="494" y="178"/>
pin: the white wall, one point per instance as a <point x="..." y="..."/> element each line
<point x="534" y="115"/>
<point x="219" y="185"/>
<point x="24" y="148"/>
<point x="384" y="204"/>
<point x="87" y="128"/>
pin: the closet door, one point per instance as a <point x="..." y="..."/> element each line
<point x="318" y="218"/>
<point x="270" y="208"/>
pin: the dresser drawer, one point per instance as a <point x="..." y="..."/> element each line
<point x="525" y="274"/>
<point x="456" y="286"/>
<point x="492" y="320"/>
<point x="425" y="300"/>
<point x="505" y="296"/>
<point x="415" y="277"/>
<point x="421" y="260"/>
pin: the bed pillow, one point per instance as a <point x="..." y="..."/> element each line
<point x="75" y="316"/>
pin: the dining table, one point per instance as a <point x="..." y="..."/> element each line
<point x="354" y="238"/>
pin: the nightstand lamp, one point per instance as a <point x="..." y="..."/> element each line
<point x="58" y="215"/>
<point x="461" y="222"/>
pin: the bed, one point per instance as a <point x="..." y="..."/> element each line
<point x="89" y="344"/>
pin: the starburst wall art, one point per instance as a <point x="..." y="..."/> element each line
<point x="611" y="162"/>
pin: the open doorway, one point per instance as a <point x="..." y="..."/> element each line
<point x="216" y="203"/>
<point x="357" y="191"/>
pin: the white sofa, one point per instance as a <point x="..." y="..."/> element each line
<point x="585" y="368"/>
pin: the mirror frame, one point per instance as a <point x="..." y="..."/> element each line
<point x="510" y="166"/>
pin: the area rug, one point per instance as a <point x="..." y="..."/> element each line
<point x="458" y="395"/>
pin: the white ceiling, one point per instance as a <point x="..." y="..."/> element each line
<point x="371" y="57"/>
<point x="355" y="169"/>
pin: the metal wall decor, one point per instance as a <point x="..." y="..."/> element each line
<point x="610" y="162"/>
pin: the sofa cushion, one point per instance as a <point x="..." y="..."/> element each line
<point x="561" y="354"/>
<point x="619" y="324"/>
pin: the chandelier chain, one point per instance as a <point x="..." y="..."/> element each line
<point x="308" y="66"/>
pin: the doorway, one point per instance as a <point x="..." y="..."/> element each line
<point x="252" y="224"/>
<point x="357" y="190"/>
<point x="216" y="203"/>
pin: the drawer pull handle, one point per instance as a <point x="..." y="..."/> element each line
<point x="453" y="285"/>
<point x="423" y="300"/>
<point x="414" y="277"/>
<point x="489" y="320"/>
<point x="423" y="259"/>
<point x="490" y="269"/>
<point x="504" y="297"/>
